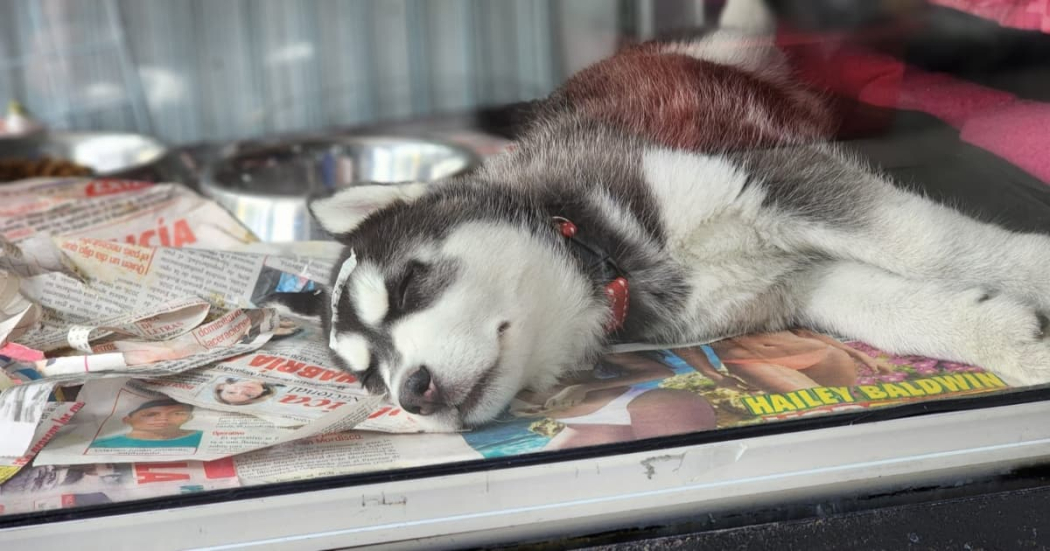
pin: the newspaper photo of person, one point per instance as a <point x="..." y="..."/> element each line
<point x="234" y="391"/>
<point x="155" y="424"/>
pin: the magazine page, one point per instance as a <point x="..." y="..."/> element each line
<point x="739" y="381"/>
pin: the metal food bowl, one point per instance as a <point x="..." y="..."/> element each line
<point x="267" y="187"/>
<point x="107" y="154"/>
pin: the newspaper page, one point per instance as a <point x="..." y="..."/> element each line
<point x="351" y="452"/>
<point x="34" y="255"/>
<point x="121" y="277"/>
<point x="124" y="421"/>
<point x="21" y="411"/>
<point x="55" y="416"/>
<point x="22" y="406"/>
<point x="17" y="314"/>
<point x="45" y="487"/>
<point x="132" y="307"/>
<point x="291" y="381"/>
<point x="57" y="308"/>
<point x="140" y="213"/>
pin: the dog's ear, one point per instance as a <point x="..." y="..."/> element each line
<point x="343" y="211"/>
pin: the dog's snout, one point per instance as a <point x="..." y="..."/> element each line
<point x="419" y="394"/>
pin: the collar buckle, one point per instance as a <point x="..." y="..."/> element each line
<point x="617" y="290"/>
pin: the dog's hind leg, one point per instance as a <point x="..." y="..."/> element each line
<point x="902" y="315"/>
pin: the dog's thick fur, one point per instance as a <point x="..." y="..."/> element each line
<point x="707" y="176"/>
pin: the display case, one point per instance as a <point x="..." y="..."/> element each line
<point x="949" y="99"/>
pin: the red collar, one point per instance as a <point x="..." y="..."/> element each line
<point x="617" y="289"/>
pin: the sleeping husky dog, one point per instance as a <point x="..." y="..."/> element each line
<point x="674" y="193"/>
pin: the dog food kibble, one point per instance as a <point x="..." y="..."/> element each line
<point x="19" y="169"/>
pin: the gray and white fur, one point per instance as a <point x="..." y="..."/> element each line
<point x="465" y="293"/>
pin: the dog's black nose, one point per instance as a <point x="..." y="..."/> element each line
<point x="419" y="395"/>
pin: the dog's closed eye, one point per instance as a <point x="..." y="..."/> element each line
<point x="408" y="289"/>
<point x="370" y="378"/>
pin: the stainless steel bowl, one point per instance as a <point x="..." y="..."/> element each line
<point x="108" y="154"/>
<point x="267" y="187"/>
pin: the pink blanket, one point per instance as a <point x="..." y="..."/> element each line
<point x="1033" y="15"/>
<point x="1015" y="129"/>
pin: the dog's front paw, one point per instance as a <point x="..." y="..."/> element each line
<point x="1013" y="340"/>
<point x="1006" y="336"/>
<point x="1028" y="365"/>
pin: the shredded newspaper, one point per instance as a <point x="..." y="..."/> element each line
<point x="109" y="279"/>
